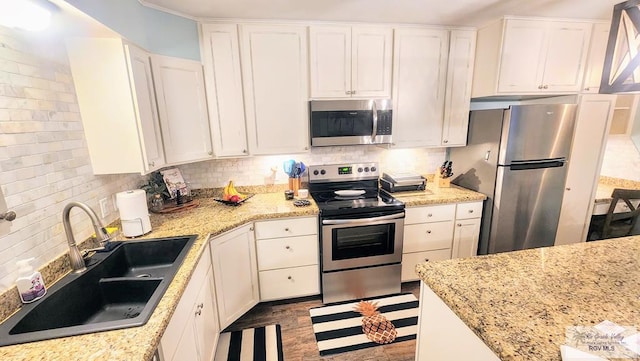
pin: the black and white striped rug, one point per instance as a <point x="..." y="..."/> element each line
<point x="252" y="344"/>
<point x="338" y="328"/>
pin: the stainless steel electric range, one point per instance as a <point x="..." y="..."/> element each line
<point x="361" y="231"/>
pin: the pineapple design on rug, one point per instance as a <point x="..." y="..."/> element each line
<point x="350" y="326"/>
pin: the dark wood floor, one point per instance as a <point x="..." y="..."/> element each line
<point x="298" y="341"/>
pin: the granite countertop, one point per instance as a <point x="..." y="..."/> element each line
<point x="520" y="303"/>
<point x="606" y="185"/>
<point x="209" y="218"/>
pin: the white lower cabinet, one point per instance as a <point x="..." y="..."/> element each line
<point x="235" y="273"/>
<point x="439" y="232"/>
<point x="288" y="258"/>
<point x="192" y="333"/>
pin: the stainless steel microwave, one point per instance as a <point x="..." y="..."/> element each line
<point x="350" y="122"/>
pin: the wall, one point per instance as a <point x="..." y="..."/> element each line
<point x="255" y="170"/>
<point x="154" y="30"/>
<point x="621" y="159"/>
<point x="44" y="161"/>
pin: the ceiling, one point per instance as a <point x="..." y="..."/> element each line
<point x="434" y="12"/>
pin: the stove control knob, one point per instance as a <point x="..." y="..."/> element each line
<point x="323" y="172"/>
<point x="373" y="169"/>
<point x="315" y="172"/>
<point x="366" y="169"/>
<point x="360" y="170"/>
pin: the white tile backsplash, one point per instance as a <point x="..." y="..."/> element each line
<point x="44" y="161"/>
<point x="621" y="158"/>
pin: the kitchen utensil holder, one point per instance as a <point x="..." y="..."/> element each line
<point x="294" y="185"/>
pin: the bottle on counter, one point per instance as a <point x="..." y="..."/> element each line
<point x="30" y="284"/>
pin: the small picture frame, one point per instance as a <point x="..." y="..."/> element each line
<point x="174" y="181"/>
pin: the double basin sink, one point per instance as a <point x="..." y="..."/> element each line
<point x="119" y="289"/>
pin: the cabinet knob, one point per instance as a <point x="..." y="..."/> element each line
<point x="568" y="188"/>
<point x="251" y="229"/>
<point x="244" y="151"/>
<point x="201" y="305"/>
<point x="587" y="88"/>
<point x="471" y="211"/>
<point x="287" y="247"/>
<point x="306" y="148"/>
<point x="546" y="87"/>
<point x="459" y="224"/>
<point x="8" y="216"/>
<point x="426" y="260"/>
<point x="152" y="164"/>
<point x="289" y="277"/>
<point x="445" y="141"/>
<point x="428" y="231"/>
<point x="429" y="215"/>
<point x="539" y="86"/>
<point x="198" y="312"/>
<point x="286" y="229"/>
<point x="210" y="152"/>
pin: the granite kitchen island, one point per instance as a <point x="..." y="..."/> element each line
<point x="519" y="304"/>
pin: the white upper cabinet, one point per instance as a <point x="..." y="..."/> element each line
<point x="419" y="74"/>
<point x="462" y="50"/>
<point x="221" y="56"/>
<point x="275" y="78"/>
<point x="182" y="106"/>
<point x="350" y="61"/>
<point x="531" y="56"/>
<point x="432" y="74"/>
<point x="115" y="93"/>
<point x="595" y="61"/>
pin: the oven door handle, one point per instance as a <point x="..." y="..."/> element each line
<point x="362" y="220"/>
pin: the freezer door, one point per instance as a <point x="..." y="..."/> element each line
<point x="539" y="131"/>
<point x="526" y="206"/>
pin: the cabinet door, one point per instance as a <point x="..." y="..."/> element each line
<point x="186" y="349"/>
<point x="566" y="56"/>
<point x="458" y="95"/>
<point x="206" y="324"/>
<point x="182" y="108"/>
<point x="235" y="273"/>
<point x="419" y="77"/>
<point x="595" y="59"/>
<point x="589" y="139"/>
<point x="522" y="57"/>
<point x="371" y="61"/>
<point x="144" y="101"/>
<point x="410" y="260"/>
<point x="330" y="61"/>
<point x="274" y="63"/>
<point x="221" y="57"/>
<point x="465" y="238"/>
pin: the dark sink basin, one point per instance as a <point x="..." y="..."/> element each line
<point x="120" y="289"/>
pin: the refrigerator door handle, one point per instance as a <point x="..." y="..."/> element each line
<point x="538" y="164"/>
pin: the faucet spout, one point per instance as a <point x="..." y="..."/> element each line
<point x="77" y="263"/>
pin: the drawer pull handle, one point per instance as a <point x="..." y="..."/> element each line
<point x="251" y="229"/>
<point x="459" y="224"/>
<point x="198" y="312"/>
<point x="471" y="211"/>
<point x="429" y="231"/>
<point x="286" y="229"/>
<point x="429" y="215"/>
<point x="426" y="260"/>
<point x="289" y="277"/>
<point x="287" y="247"/>
<point x="200" y="305"/>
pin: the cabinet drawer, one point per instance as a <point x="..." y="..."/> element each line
<point x="289" y="283"/>
<point x="469" y="210"/>
<point x="287" y="252"/>
<point x="427" y="236"/>
<point x="286" y="227"/>
<point x="444" y="212"/>
<point x="410" y="260"/>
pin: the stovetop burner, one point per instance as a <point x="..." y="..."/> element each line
<point x="325" y="180"/>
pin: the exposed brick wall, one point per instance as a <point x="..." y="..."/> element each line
<point x="44" y="161"/>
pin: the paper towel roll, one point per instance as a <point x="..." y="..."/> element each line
<point x="134" y="214"/>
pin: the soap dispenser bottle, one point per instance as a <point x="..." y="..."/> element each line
<point x="30" y="284"/>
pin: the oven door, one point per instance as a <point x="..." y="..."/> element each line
<point x="351" y="242"/>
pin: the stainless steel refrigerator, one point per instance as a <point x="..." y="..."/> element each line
<point x="518" y="158"/>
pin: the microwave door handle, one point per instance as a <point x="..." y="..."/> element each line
<point x="374" y="109"/>
<point x="362" y="220"/>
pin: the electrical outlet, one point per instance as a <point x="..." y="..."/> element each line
<point x="104" y="207"/>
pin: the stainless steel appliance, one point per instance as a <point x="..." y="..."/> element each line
<point x="361" y="231"/>
<point x="518" y="158"/>
<point x="402" y="182"/>
<point x="350" y="122"/>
